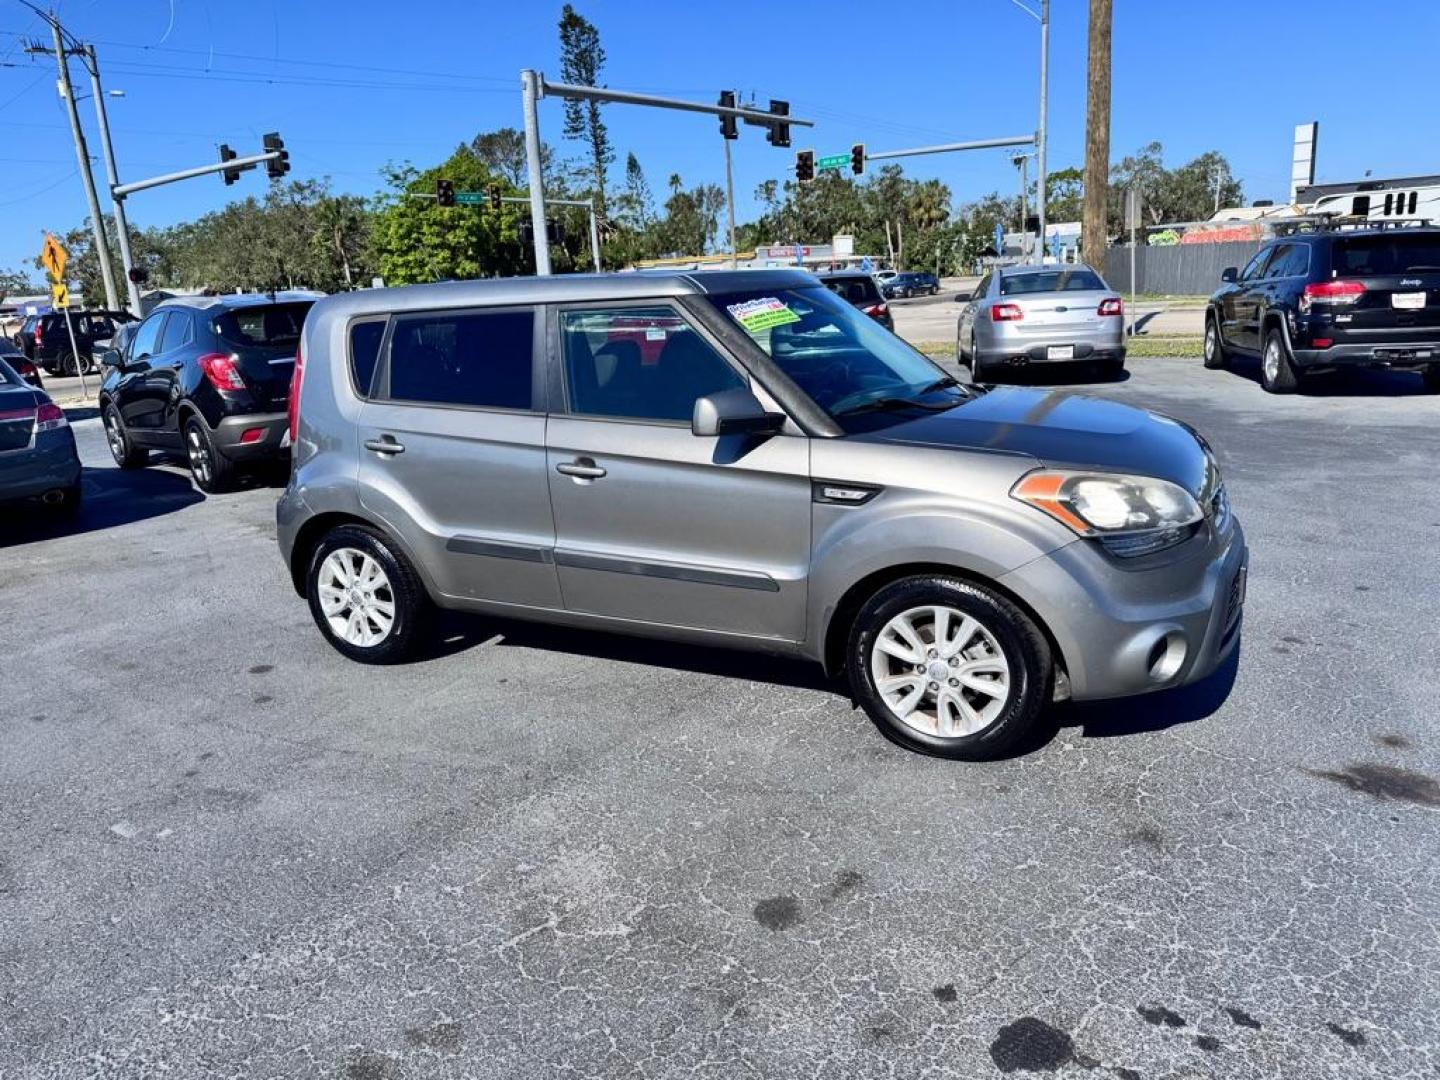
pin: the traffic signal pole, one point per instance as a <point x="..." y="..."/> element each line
<point x="533" y="87"/>
<point x="122" y="227"/>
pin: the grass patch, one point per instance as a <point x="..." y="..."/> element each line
<point x="1142" y="346"/>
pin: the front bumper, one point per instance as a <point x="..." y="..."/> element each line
<point x="1132" y="626"/>
<point x="270" y="443"/>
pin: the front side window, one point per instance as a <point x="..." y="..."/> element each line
<point x="1255" y="265"/>
<point x="147" y="338"/>
<point x="844" y="360"/>
<point x="641" y="363"/>
<point x="479" y="359"/>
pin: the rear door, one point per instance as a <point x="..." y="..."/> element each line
<point x="1400" y="272"/>
<point x="657" y="525"/>
<point x="262" y="341"/>
<point x="452" y="451"/>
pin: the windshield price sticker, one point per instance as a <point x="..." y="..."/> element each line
<point x="761" y="314"/>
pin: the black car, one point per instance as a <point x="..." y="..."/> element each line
<point x="859" y="288"/>
<point x="209" y="376"/>
<point x="21" y="365"/>
<point x="45" y="339"/>
<point x="38" y="461"/>
<point x="912" y="283"/>
<point x="1332" y="298"/>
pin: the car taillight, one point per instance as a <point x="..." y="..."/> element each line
<point x="50" y="417"/>
<point x="221" y="371"/>
<point x="1112" y="306"/>
<point x="1331" y="292"/>
<point x="875" y="310"/>
<point x="1006" y="313"/>
<point x="39" y="333"/>
<point x="293" y="405"/>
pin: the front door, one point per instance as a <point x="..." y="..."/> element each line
<point x="142" y="391"/>
<point x="653" y="523"/>
<point x="452" y="450"/>
<point x="1248" y="301"/>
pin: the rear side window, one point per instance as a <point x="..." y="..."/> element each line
<point x="480" y="359"/>
<point x="1291" y="260"/>
<point x="365" y="352"/>
<point x="1050" y="281"/>
<point x="177" y="332"/>
<point x="275" y="325"/>
<point x="1387" y="254"/>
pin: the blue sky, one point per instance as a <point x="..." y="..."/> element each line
<point x="1232" y="75"/>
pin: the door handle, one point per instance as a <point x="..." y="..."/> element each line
<point x="581" y="469"/>
<point x="386" y="444"/>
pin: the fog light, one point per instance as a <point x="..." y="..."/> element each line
<point x="1166" y="656"/>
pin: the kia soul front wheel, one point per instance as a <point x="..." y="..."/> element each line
<point x="949" y="667"/>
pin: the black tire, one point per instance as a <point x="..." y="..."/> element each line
<point x="1215" y="355"/>
<point x="1277" y="372"/>
<point x="126" y="454"/>
<point x="412" y="608"/>
<point x="1431" y="375"/>
<point x="86" y="365"/>
<point x="1023" y="647"/>
<point x="64" y="364"/>
<point x="211" y="470"/>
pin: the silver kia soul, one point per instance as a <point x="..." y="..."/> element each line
<point x="744" y="459"/>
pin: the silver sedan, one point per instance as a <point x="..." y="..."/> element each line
<point x="1022" y="315"/>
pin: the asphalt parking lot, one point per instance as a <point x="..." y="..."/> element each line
<point x="226" y="851"/>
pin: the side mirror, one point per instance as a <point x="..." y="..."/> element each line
<point x="112" y="358"/>
<point x="733" y="412"/>
<point x="1229" y="275"/>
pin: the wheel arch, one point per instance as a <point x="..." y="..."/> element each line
<point x="837" y="630"/>
<point x="309" y="535"/>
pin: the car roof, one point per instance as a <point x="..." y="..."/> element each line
<point x="1036" y="268"/>
<point x="233" y="301"/>
<point x="559" y="289"/>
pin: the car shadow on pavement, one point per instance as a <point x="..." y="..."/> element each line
<point x="111" y="497"/>
<point x="1080" y="375"/>
<point x="1358" y="382"/>
<point x="455" y="632"/>
<point x="1153" y="712"/>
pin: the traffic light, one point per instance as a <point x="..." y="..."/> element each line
<point x="138" y="274"/>
<point x="727" y="123"/>
<point x="275" y="168"/>
<point x="857" y="158"/>
<point x="779" y="132"/>
<point x="445" y="192"/>
<point x="804" y="166"/>
<point x="230" y="175"/>
<point x="494" y="196"/>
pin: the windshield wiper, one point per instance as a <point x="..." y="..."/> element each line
<point x="886" y="403"/>
<point x="942" y="383"/>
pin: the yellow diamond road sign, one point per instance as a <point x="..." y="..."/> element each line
<point x="60" y="295"/>
<point x="53" y="258"/>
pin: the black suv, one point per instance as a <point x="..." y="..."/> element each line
<point x="859" y="288"/>
<point x="45" y="339"/>
<point x="912" y="283"/>
<point x="209" y="375"/>
<point x="1333" y="298"/>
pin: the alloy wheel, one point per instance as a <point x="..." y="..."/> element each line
<point x="1210" y="343"/>
<point x="199" y="455"/>
<point x="356" y="597"/>
<point x="1272" y="360"/>
<point x="940" y="671"/>
<point x="114" y="436"/>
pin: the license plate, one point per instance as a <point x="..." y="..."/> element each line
<point x="1407" y="300"/>
<point x="1060" y="352"/>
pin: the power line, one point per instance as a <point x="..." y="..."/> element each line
<point x="151" y="71"/>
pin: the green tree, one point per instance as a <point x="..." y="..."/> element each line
<point x="502" y="151"/>
<point x="13" y="282"/>
<point x="1191" y="192"/>
<point x="581" y="60"/>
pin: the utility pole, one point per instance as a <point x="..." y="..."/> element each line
<point x="1044" y="95"/>
<point x="82" y="158"/>
<point x="122" y="227"/>
<point x="730" y="204"/>
<point x="530" y="99"/>
<point x="1097" y="135"/>
<point x="1023" y="160"/>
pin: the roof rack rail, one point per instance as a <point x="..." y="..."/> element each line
<point x="1324" y="223"/>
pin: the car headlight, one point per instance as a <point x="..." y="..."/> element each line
<point x="1129" y="515"/>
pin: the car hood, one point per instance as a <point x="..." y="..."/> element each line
<point x="1067" y="430"/>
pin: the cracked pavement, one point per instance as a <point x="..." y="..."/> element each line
<point x="228" y="852"/>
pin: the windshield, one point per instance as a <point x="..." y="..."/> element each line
<point x="1051" y="281"/>
<point x="267" y="324"/>
<point x="1394" y="253"/>
<point x="844" y="360"/>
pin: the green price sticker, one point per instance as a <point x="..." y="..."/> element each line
<point x="761" y="314"/>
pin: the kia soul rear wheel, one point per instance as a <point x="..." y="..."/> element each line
<point x="364" y="595"/>
<point x="948" y="667"/>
